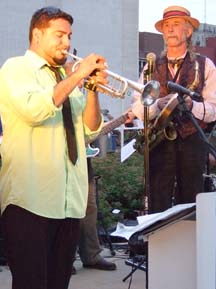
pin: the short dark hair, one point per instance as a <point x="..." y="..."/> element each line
<point x="41" y="18"/>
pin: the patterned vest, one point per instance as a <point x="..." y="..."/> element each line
<point x="186" y="78"/>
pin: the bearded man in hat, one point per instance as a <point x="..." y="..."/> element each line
<point x="176" y="166"/>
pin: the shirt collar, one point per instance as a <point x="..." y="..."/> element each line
<point x="38" y="62"/>
<point x="180" y="57"/>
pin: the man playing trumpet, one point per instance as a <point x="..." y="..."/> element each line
<point x="43" y="182"/>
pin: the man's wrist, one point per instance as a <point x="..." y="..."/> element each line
<point x="90" y="85"/>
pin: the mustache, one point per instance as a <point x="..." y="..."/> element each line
<point x="171" y="37"/>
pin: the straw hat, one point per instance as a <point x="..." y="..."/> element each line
<point x="179" y="12"/>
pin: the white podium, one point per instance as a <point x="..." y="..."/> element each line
<point x="171" y="237"/>
<point x="182" y="253"/>
<point x="206" y="240"/>
<point x="172" y="257"/>
<point x="172" y="254"/>
<point x="181" y="245"/>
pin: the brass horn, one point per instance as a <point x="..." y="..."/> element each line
<point x="118" y="85"/>
<point x="150" y="93"/>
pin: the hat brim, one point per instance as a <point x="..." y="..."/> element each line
<point x="194" y="22"/>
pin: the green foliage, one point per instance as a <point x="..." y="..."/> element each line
<point x="121" y="184"/>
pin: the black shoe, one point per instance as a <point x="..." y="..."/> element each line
<point x="73" y="271"/>
<point x="101" y="264"/>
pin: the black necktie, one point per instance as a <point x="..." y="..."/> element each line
<point x="68" y="122"/>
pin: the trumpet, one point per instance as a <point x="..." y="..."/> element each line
<point x="118" y="85"/>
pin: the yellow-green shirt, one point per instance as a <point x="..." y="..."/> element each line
<point x="36" y="172"/>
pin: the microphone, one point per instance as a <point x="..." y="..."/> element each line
<point x="181" y="89"/>
<point x="151" y="57"/>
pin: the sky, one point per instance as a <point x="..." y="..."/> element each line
<point x="152" y="11"/>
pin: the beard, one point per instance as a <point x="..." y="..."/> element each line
<point x="60" y="61"/>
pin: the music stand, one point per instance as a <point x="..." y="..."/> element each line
<point x="139" y="262"/>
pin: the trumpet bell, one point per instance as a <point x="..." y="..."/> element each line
<point x="150" y="93"/>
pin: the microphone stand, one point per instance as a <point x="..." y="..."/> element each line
<point x="181" y="100"/>
<point x="146" y="161"/>
<point x="146" y="176"/>
<point x="147" y="78"/>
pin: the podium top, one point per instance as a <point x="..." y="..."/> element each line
<point x="147" y="224"/>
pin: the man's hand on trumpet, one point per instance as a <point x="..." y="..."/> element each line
<point x="92" y="68"/>
<point x="68" y="66"/>
<point x="89" y="69"/>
